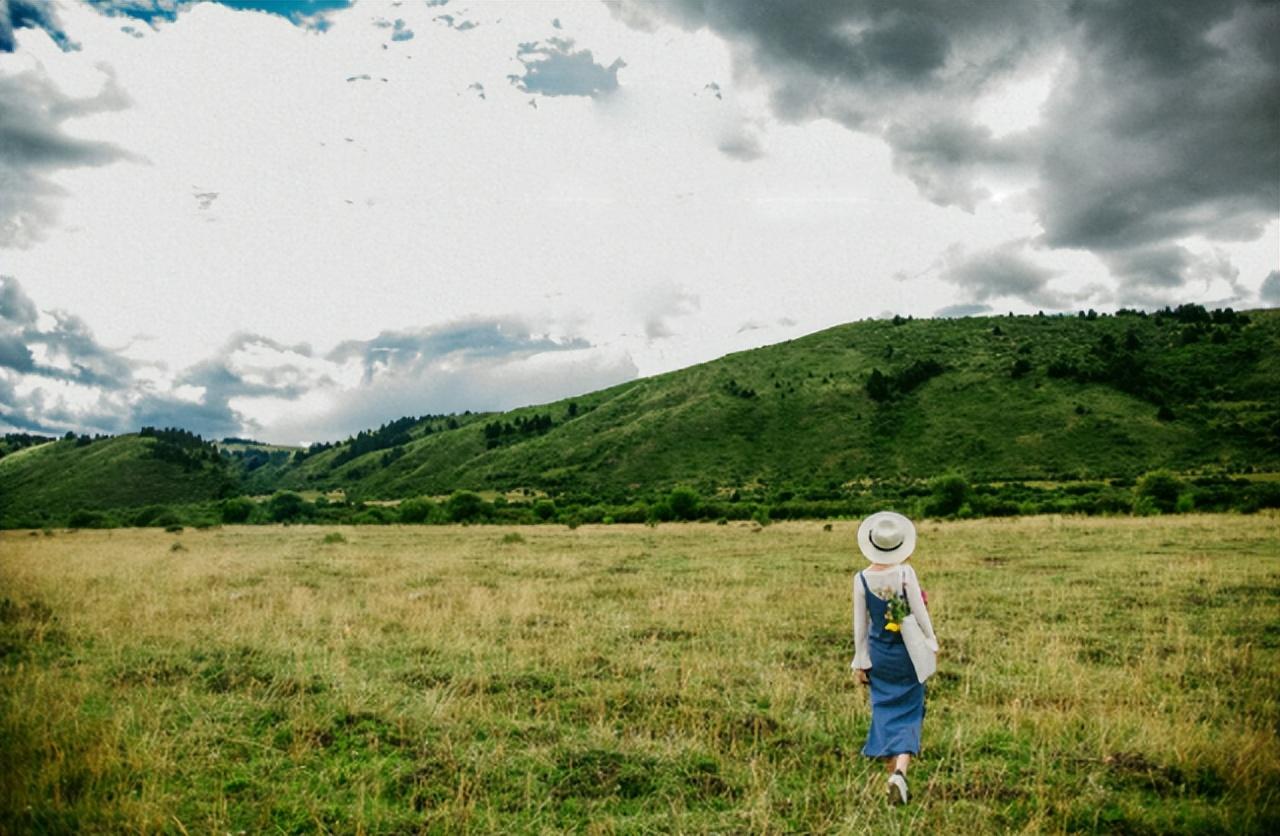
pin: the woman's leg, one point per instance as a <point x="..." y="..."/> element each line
<point x="902" y="762"/>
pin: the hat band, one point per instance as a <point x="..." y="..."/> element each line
<point x="872" y="540"/>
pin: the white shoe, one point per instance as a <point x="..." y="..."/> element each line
<point x="897" y="788"/>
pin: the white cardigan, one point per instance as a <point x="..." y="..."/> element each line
<point x="893" y="578"/>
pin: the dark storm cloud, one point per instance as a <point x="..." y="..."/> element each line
<point x="1169" y="127"/>
<point x="1002" y="272"/>
<point x="1155" y="273"/>
<point x="1162" y="122"/>
<point x="946" y="157"/>
<point x="33" y="145"/>
<point x="31" y="14"/>
<point x="554" y="68"/>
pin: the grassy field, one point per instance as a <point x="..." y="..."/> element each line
<point x="1116" y="675"/>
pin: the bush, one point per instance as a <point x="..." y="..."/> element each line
<point x="544" y="510"/>
<point x="236" y="510"/>
<point x="333" y="537"/>
<point x="592" y="514"/>
<point x="167" y="520"/>
<point x="948" y="494"/>
<point x="415" y="510"/>
<point x="89" y="519"/>
<point x="465" y="506"/>
<point x="1161" y="490"/>
<point x="153" y="515"/>
<point x="286" y="506"/>
<point x="683" y="503"/>
<point x="660" y="512"/>
<point x="634" y="513"/>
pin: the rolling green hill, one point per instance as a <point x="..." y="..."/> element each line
<point x="50" y="481"/>
<point x="994" y="398"/>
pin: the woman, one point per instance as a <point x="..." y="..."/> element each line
<point x="880" y="657"/>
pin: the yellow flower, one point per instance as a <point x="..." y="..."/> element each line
<point x="892" y="627"/>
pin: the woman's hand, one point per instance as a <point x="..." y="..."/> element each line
<point x="862" y="677"/>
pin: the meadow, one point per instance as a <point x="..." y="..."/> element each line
<point x="1116" y="675"/>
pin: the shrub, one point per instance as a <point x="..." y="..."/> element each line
<point x="158" y="515"/>
<point x="333" y="537"/>
<point x="173" y="528"/>
<point x="1161" y="490"/>
<point x="89" y="519"/>
<point x="544" y="509"/>
<point x="683" y="503"/>
<point x="286" y="506"/>
<point x="465" y="506"/>
<point x="236" y="510"/>
<point x="592" y="514"/>
<point x="167" y="520"/>
<point x="660" y="512"/>
<point x="415" y="510"/>
<point x="948" y="494"/>
<point x="635" y="513"/>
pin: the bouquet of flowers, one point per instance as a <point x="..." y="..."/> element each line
<point x="897" y="610"/>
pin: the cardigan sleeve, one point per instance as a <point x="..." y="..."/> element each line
<point x="918" y="607"/>
<point x="861" y="627"/>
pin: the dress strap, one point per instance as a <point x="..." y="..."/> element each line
<point x="864" y="582"/>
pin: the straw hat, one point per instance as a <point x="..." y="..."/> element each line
<point x="886" y="537"/>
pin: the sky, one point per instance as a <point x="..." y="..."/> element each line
<point x="294" y="220"/>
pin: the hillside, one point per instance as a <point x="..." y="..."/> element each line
<point x="49" y="481"/>
<point x="994" y="398"/>
<point x="997" y="398"/>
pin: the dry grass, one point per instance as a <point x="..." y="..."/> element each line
<point x="1116" y="675"/>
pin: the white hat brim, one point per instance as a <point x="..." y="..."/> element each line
<point x="876" y="554"/>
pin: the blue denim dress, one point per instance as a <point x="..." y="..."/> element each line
<point x="897" y="697"/>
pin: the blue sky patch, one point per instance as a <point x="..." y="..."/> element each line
<point x="555" y="68"/>
<point x="306" y="13"/>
